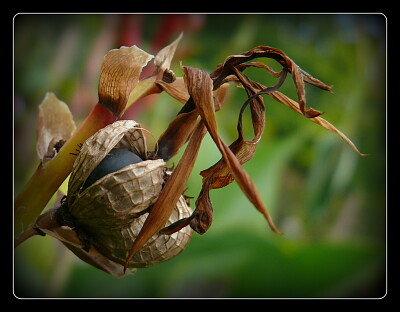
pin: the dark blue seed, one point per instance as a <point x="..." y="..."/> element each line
<point x="115" y="160"/>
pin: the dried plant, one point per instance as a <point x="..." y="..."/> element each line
<point x="202" y="95"/>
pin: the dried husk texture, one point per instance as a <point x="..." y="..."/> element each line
<point x="112" y="210"/>
<point x="170" y="195"/>
<point x="122" y="195"/>
<point x="116" y="244"/>
<point x="123" y="133"/>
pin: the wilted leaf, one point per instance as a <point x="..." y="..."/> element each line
<point x="176" y="89"/>
<point x="299" y="76"/>
<point x="164" y="56"/>
<point x="55" y="126"/>
<point x="280" y="97"/>
<point x="202" y="95"/>
<point x="234" y="65"/>
<point x="176" y="135"/>
<point x="181" y="127"/>
<point x="162" y="61"/>
<point x="120" y="73"/>
<point x="199" y="85"/>
<point x="170" y="193"/>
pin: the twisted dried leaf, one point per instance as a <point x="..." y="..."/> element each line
<point x="234" y="65"/>
<point x="299" y="76"/>
<point x="200" y="86"/>
<point x="170" y="193"/>
<point x="280" y="97"/>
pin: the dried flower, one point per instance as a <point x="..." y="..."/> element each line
<point x="119" y="87"/>
<point x="113" y="222"/>
<point x="108" y="215"/>
<point x="201" y="88"/>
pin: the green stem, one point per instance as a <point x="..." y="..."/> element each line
<point x="47" y="179"/>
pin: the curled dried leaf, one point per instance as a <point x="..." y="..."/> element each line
<point x="299" y="76"/>
<point x="181" y="127"/>
<point x="120" y="73"/>
<point x="280" y="97"/>
<point x="235" y="64"/>
<point x="199" y="85"/>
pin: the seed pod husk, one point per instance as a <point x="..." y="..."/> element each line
<point x="109" y="214"/>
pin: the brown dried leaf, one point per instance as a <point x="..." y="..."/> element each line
<point x="299" y="76"/>
<point x="176" y="135"/>
<point x="174" y="187"/>
<point x="165" y="55"/>
<point x="176" y="89"/>
<point x="55" y="126"/>
<point x="119" y="75"/>
<point x="280" y="97"/>
<point x="244" y="150"/>
<point x="181" y="128"/>
<point x="199" y="85"/>
<point x="151" y="85"/>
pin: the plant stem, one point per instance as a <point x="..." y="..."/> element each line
<point x="47" y="178"/>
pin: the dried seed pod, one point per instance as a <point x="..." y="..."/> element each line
<point x="109" y="212"/>
<point x="117" y="159"/>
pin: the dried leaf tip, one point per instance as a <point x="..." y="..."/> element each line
<point x="120" y="73"/>
<point x="164" y="57"/>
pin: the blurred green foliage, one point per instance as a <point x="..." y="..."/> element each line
<point x="329" y="201"/>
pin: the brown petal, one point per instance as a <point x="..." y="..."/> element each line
<point x="164" y="56"/>
<point x="119" y="75"/>
<point x="151" y="85"/>
<point x="55" y="126"/>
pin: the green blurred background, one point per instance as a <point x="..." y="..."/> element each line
<point x="329" y="201"/>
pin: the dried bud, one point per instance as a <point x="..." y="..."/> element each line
<point x="109" y="212"/>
